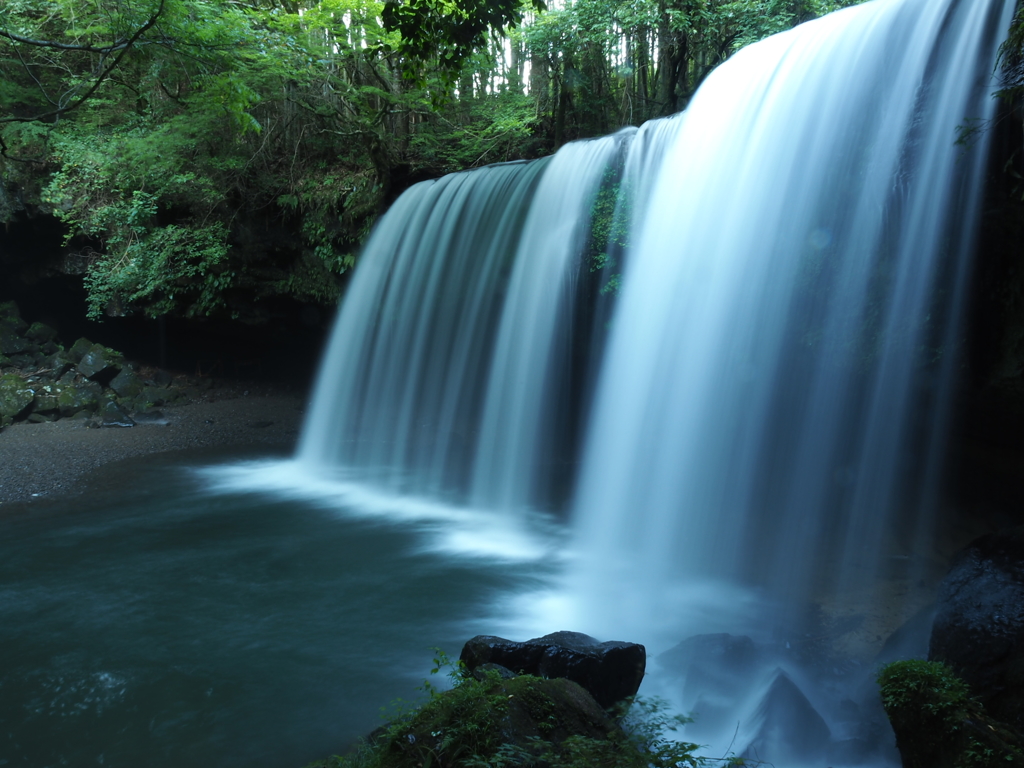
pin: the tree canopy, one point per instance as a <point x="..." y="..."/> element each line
<point x="208" y="154"/>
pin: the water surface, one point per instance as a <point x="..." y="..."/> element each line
<point x="159" y="622"/>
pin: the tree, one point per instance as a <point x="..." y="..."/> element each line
<point x="207" y="155"/>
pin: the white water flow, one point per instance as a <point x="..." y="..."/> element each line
<point x="441" y="377"/>
<point x="768" y="400"/>
<point x="771" y="403"/>
<point x="771" y="409"/>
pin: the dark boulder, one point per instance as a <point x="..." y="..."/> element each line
<point x="127" y="383"/>
<point x="610" y="671"/>
<point x="12" y="342"/>
<point x="979" y="622"/>
<point x="116" y="416"/>
<point x="789" y="728"/>
<point x="79" y="349"/>
<point x="41" y="334"/>
<point x="100" y="364"/>
<point x="11" y="317"/>
<point x="717" y="671"/>
<point x="152" y="396"/>
<point x="58" y="364"/>
<point x="79" y="397"/>
<point x="47" y="399"/>
<point x="939" y="724"/>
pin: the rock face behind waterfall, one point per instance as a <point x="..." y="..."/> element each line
<point x="979" y="624"/>
<point x="610" y="671"/>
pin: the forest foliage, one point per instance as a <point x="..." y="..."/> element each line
<point x="206" y="154"/>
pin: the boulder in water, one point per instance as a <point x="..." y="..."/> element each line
<point x="789" y="728"/>
<point x="718" y="670"/>
<point x="979" y="622"/>
<point x="610" y="671"/>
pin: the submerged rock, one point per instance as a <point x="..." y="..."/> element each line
<point x="718" y="670"/>
<point x="788" y="726"/>
<point x="610" y="671"/>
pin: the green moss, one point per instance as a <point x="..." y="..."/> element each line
<point x="938" y="723"/>
<point x="523" y="721"/>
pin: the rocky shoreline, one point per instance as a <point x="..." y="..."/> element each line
<point x="64" y="413"/>
<point x="55" y="458"/>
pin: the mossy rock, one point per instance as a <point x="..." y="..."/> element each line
<point x="518" y="719"/>
<point x="10" y="316"/>
<point x="154" y="396"/>
<point x="47" y="398"/>
<point x="127" y="384"/>
<point x="58" y="363"/>
<point x="79" y="349"/>
<point x="937" y="722"/>
<point x="16" y="397"/>
<point x="41" y="333"/>
<point x="8" y="309"/>
<point x="100" y="363"/>
<point x="80" y="397"/>
<point x="11" y="340"/>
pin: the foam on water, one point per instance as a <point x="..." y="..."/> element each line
<point x="445" y="528"/>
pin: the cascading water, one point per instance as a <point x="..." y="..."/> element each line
<point x="769" y="423"/>
<point x="770" y="409"/>
<point x="785" y="313"/>
<point x="440" y="374"/>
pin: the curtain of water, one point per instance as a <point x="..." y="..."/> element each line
<point x="779" y="366"/>
<point x="532" y="345"/>
<point x="442" y="374"/>
<point x="399" y="395"/>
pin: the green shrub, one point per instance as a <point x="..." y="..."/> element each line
<point x="938" y="723"/>
<point x="523" y="721"/>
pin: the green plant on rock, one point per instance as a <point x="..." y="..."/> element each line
<point x="938" y="723"/>
<point x="494" y="722"/>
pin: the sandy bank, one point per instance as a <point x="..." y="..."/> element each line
<point x="55" y="458"/>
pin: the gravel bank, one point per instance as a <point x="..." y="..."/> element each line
<point x="51" y="459"/>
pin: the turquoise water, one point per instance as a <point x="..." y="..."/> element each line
<point x="158" y="622"/>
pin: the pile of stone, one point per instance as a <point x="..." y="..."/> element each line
<point x="41" y="381"/>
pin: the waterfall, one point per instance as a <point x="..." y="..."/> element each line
<point x="440" y="376"/>
<point x="778" y="376"/>
<point x="771" y="400"/>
